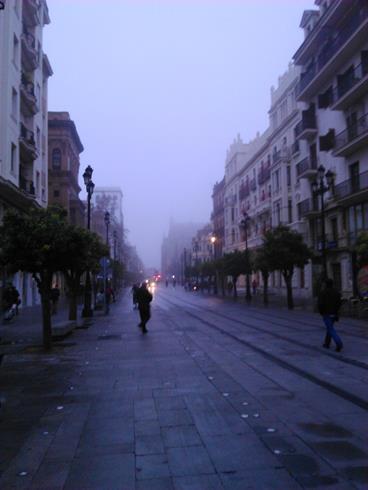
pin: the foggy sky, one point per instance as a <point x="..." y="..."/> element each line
<point x="158" y="90"/>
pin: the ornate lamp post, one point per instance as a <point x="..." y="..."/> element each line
<point x="243" y="225"/>
<point x="87" y="177"/>
<point x="320" y="186"/>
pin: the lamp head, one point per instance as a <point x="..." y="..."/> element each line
<point x="330" y="178"/>
<point x="321" y="172"/>
<point x="107" y="218"/>
<point x="87" y="176"/>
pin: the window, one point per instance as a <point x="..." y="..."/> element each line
<point x="38" y="138"/>
<point x="290" y="211"/>
<point x="56" y="158"/>
<point x="37" y="184"/>
<point x="278" y="213"/>
<point x="14" y="103"/>
<point x="15" y="50"/>
<point x="288" y="175"/>
<point x="13" y="157"/>
<point x="284" y="109"/>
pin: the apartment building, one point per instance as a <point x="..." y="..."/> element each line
<point x="203" y="248"/>
<point x="24" y="73"/>
<point x="65" y="147"/>
<point x="333" y="132"/>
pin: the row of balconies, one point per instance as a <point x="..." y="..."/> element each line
<point x="337" y="39"/>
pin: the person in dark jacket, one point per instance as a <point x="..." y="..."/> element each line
<point x="329" y="302"/>
<point x="144" y="298"/>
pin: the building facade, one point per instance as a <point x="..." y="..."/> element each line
<point x="203" y="249"/>
<point x="63" y="167"/>
<point x="24" y="73"/>
<point x="176" y="249"/>
<point x="218" y="217"/>
<point x="333" y="130"/>
<point x="109" y="199"/>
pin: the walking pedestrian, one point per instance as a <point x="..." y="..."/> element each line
<point x="144" y="298"/>
<point x="55" y="294"/>
<point x="329" y="303"/>
<point x="254" y="286"/>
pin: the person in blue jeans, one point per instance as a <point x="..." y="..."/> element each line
<point x="329" y="303"/>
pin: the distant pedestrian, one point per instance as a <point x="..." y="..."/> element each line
<point x="329" y="303"/>
<point x="167" y="283"/>
<point x="254" y="286"/>
<point x="134" y="291"/>
<point x="55" y="294"/>
<point x="144" y="298"/>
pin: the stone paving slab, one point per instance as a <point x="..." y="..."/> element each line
<point x="182" y="408"/>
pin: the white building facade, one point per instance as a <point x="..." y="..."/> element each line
<point x="24" y="73"/>
<point x="334" y="132"/>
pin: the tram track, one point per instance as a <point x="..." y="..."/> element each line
<point x="342" y="393"/>
<point x="340" y="358"/>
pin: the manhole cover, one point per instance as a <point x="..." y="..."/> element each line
<point x="109" y="337"/>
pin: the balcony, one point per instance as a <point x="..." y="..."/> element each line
<point x="27" y="186"/>
<point x="353" y="138"/>
<point x="28" y="151"/>
<point x="307" y="208"/>
<point x="30" y="11"/>
<point x="353" y="190"/>
<point x="295" y="148"/>
<point x="352" y="86"/>
<point x="341" y="44"/>
<point x="244" y="191"/>
<point x="264" y="175"/>
<point x="306" y="168"/>
<point x="307" y="127"/>
<point x="28" y="99"/>
<point x="29" y="52"/>
<point x="253" y="184"/>
<point x="332" y="242"/>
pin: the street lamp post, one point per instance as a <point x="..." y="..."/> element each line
<point x="107" y="223"/>
<point x="87" y="177"/>
<point x="213" y="257"/>
<point x="320" y="186"/>
<point x="243" y="225"/>
<point x="115" y="237"/>
<point x="196" y="248"/>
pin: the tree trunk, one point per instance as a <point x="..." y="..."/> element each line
<point x="222" y="280"/>
<point x="289" y="289"/>
<point x="45" y="289"/>
<point x="265" y="288"/>
<point x="235" y="291"/>
<point x="73" y="304"/>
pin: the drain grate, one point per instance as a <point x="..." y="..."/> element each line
<point x="109" y="337"/>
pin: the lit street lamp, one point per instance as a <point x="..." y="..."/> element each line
<point x="320" y="186"/>
<point x="213" y="257"/>
<point x="87" y="177"/>
<point x="243" y="225"/>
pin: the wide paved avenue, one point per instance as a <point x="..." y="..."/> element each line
<point x="217" y="395"/>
